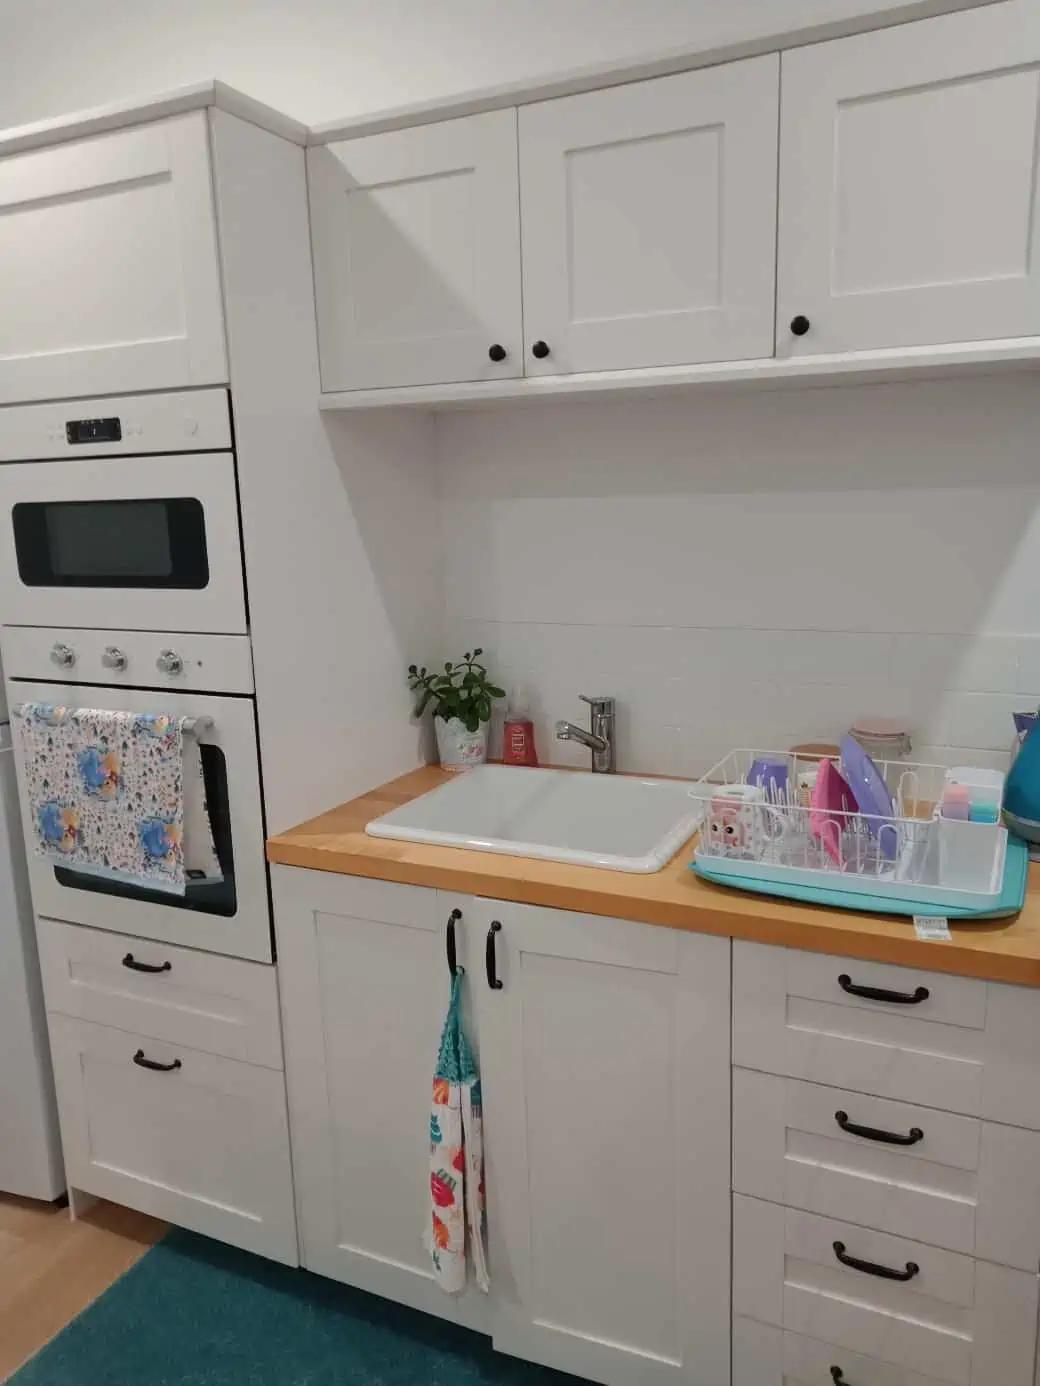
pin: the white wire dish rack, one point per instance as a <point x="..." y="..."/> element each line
<point x="912" y="854"/>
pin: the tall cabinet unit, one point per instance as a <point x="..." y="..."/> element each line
<point x="164" y="1028"/>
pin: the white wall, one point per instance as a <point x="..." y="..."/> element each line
<point x="322" y="60"/>
<point x="754" y="568"/>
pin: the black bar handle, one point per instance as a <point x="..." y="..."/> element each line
<point x="838" y="1377"/>
<point x="874" y="1133"/>
<point x="894" y="998"/>
<point x="872" y="1267"/>
<point x="453" y="919"/>
<point x="131" y="962"/>
<point x="494" y="980"/>
<point x="142" y="1062"/>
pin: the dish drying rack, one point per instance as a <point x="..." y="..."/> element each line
<point x="913" y="854"/>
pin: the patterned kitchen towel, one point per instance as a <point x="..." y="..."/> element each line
<point x="457" y="1222"/>
<point x="106" y="792"/>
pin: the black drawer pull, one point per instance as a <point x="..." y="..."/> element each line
<point x="494" y="980"/>
<point x="894" y="998"/>
<point x="142" y="1062"/>
<point x="131" y="962"/>
<point x="872" y="1267"/>
<point x="874" y="1133"/>
<point x="838" y="1377"/>
<point x="453" y="919"/>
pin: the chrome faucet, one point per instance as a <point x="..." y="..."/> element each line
<point x="600" y="739"/>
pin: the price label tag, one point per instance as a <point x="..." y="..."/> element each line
<point x="931" y="928"/>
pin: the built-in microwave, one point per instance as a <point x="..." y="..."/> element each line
<point x="134" y="525"/>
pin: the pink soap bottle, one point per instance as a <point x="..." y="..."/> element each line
<point x="518" y="746"/>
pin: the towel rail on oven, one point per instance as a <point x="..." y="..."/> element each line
<point x="190" y="726"/>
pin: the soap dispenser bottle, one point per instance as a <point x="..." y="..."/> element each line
<point x="518" y="746"/>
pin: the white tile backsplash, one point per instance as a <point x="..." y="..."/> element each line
<point x="754" y="569"/>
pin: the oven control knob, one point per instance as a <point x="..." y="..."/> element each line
<point x="114" y="658"/>
<point x="169" y="662"/>
<point x="63" y="655"/>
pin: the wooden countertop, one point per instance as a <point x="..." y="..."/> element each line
<point x="1002" y="951"/>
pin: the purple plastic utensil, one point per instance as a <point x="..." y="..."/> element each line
<point x="872" y="794"/>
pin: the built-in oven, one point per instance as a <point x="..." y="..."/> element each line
<point x="121" y="513"/>
<point x="204" y="678"/>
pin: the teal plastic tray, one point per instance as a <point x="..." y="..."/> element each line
<point x="1010" y="901"/>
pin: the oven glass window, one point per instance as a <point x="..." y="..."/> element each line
<point x="112" y="543"/>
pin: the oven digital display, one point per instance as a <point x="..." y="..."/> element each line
<point x="93" y="431"/>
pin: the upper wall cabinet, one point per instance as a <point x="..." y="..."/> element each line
<point x="417" y="254"/>
<point x="648" y="218"/>
<point x="908" y="185"/>
<point x="109" y="279"/>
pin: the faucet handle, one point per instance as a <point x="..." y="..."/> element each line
<point x="598" y="704"/>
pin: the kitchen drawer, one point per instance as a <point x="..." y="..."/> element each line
<point x="767" y="1356"/>
<point x="221" y="1005"/>
<point x="204" y="1144"/>
<point x="959" y="1320"/>
<point x="965" y="1184"/>
<point x="956" y="1043"/>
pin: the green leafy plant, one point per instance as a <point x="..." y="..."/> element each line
<point x="463" y="691"/>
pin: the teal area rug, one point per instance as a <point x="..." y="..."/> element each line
<point x="193" y="1312"/>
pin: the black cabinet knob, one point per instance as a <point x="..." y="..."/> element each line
<point x="540" y="350"/>
<point x="497" y="352"/>
<point x="800" y="325"/>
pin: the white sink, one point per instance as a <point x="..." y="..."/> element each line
<point x="616" y="821"/>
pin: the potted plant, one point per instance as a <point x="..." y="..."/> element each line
<point x="461" y="698"/>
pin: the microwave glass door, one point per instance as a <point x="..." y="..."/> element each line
<point x="152" y="542"/>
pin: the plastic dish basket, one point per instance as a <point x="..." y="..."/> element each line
<point x="912" y="855"/>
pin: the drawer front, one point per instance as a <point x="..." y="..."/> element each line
<point x="767" y="1356"/>
<point x="964" y="1184"/>
<point x="967" y="1322"/>
<point x="204" y="1145"/>
<point x="220" y="1005"/>
<point x="792" y="1015"/>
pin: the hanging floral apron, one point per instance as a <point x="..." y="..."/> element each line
<point x="457" y="1224"/>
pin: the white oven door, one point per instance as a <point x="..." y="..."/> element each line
<point x="232" y="917"/>
<point x="133" y="543"/>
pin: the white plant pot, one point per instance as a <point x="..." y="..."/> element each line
<point x="457" y="747"/>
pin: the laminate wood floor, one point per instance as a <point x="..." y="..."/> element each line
<point x="51" y="1268"/>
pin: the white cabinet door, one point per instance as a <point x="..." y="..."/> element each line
<point x="649" y="217"/>
<point x="908" y="184"/>
<point x="109" y="280"/>
<point x="194" y="1138"/>
<point x="364" y="986"/>
<point x="605" y="1074"/>
<point x="417" y="254"/>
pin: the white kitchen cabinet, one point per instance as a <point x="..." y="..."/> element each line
<point x="903" y="1303"/>
<point x="908" y="185"/>
<point x="110" y="281"/>
<point x="195" y="1138"/>
<point x="417" y="254"/>
<point x="959" y="1044"/>
<point x="649" y="221"/>
<point x="364" y="987"/>
<point x="605" y="1075"/>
